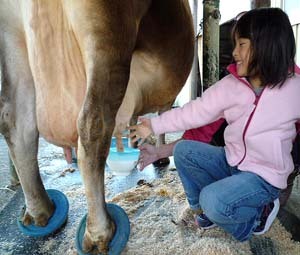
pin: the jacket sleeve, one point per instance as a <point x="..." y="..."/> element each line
<point x="199" y="112"/>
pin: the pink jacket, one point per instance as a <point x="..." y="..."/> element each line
<point x="260" y="130"/>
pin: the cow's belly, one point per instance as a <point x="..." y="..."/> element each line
<point x="58" y="72"/>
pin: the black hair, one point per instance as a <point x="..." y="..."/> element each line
<point x="273" y="46"/>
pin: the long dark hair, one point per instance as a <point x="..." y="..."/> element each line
<point x="273" y="45"/>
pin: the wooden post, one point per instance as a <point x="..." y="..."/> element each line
<point x="211" y="31"/>
<point x="195" y="75"/>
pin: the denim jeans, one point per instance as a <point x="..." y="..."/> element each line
<point x="230" y="198"/>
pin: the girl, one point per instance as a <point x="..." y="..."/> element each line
<point x="237" y="187"/>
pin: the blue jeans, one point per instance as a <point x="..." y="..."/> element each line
<point x="230" y="198"/>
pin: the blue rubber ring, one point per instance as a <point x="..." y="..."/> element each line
<point x="122" y="232"/>
<point x="55" y="222"/>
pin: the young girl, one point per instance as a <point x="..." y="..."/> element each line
<point x="237" y="187"/>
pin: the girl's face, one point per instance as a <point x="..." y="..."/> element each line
<point x="241" y="55"/>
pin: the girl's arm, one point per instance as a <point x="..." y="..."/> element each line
<point x="196" y="113"/>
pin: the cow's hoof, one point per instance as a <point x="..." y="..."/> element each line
<point x="119" y="241"/>
<point x="55" y="222"/>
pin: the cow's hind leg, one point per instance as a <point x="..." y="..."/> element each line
<point x="18" y="125"/>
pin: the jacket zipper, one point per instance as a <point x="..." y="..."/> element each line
<point x="248" y="121"/>
<point x="232" y="70"/>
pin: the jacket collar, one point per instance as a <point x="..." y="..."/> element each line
<point x="232" y="69"/>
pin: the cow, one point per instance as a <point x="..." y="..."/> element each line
<point x="74" y="72"/>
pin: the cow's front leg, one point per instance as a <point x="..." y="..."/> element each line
<point x="106" y="37"/>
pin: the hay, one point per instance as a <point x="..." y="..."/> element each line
<point x="156" y="212"/>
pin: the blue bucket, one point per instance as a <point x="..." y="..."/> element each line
<point x="122" y="163"/>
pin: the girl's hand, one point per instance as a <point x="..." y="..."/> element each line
<point x="148" y="154"/>
<point x="140" y="131"/>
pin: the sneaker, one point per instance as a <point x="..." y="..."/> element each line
<point x="203" y="222"/>
<point x="268" y="216"/>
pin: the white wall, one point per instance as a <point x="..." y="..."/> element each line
<point x="231" y="8"/>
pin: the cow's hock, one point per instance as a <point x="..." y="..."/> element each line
<point x="5" y="117"/>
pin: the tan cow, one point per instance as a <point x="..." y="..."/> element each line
<point x="66" y="65"/>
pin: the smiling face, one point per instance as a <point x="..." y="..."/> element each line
<point x="241" y="55"/>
